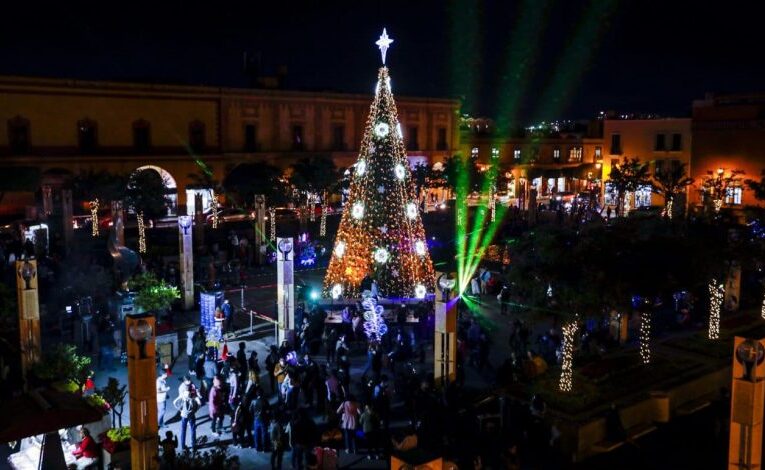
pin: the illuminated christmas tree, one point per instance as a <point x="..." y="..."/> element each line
<point x="381" y="233"/>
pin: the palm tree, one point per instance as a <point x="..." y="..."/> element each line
<point x="669" y="183"/>
<point x="716" y="185"/>
<point x="627" y="176"/>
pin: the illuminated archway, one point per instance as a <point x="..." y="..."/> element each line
<point x="170" y="184"/>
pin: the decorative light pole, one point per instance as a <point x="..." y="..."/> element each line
<point x="29" y="313"/>
<point x="445" y="345"/>
<point x="285" y="288"/>
<point x="747" y="399"/>
<point x="186" y="257"/>
<point x="260" y="228"/>
<point x="142" y="377"/>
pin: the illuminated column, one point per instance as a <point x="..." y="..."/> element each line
<point x="747" y="399"/>
<point x="142" y="379"/>
<point x="29" y="313"/>
<point x="260" y="227"/>
<point x="445" y="344"/>
<point x="186" y="260"/>
<point x="285" y="304"/>
<point x="66" y="214"/>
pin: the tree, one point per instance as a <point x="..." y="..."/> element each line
<point x="25" y="178"/>
<point x="627" y="176"/>
<point x="669" y="183"/>
<point x="63" y="364"/>
<point x="152" y="294"/>
<point x="757" y="186"/>
<point x="716" y="186"/>
<point x="248" y="179"/>
<point x="102" y="185"/>
<point x="146" y="195"/>
<point x="114" y="394"/>
<point x="381" y="232"/>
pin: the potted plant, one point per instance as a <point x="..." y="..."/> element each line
<point x="116" y="447"/>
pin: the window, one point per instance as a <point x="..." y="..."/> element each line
<point x="598" y="153"/>
<point x="575" y="154"/>
<point x="733" y="195"/>
<point x="411" y="143"/>
<point x="441" y="143"/>
<point x="250" y="138"/>
<point x="18" y="135"/>
<point x="197" y="136"/>
<point x="338" y="137"/>
<point x="556" y="154"/>
<point x="661" y="142"/>
<point x="643" y="196"/>
<point x="677" y="142"/>
<point x="141" y="136"/>
<point x="298" y="142"/>
<point x="616" y="144"/>
<point x="87" y="137"/>
<point x="517" y="154"/>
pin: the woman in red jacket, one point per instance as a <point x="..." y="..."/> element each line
<point x="87" y="452"/>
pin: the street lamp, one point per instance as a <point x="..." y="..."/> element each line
<point x="142" y="375"/>
<point x="720" y="171"/>
<point x="27" y="272"/>
<point x="140" y="332"/>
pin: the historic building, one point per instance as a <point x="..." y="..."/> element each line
<point x="65" y="126"/>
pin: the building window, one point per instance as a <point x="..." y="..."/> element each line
<point x="556" y="154"/>
<point x="661" y="142"/>
<point x="411" y="143"/>
<point x="18" y="135"/>
<point x="575" y="154"/>
<point x="441" y="143"/>
<point x="616" y="144"/>
<point x="598" y="153"/>
<point x="338" y="137"/>
<point x="87" y="135"/>
<point x="141" y="136"/>
<point x="733" y="195"/>
<point x="677" y="142"/>
<point x="517" y="154"/>
<point x="250" y="138"/>
<point x="298" y="142"/>
<point x="197" y="136"/>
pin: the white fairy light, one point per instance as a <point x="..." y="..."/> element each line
<point x="399" y="171"/>
<point x="323" y="226"/>
<point x="716" y="294"/>
<point x="340" y="249"/>
<point x="337" y="290"/>
<point x="381" y="129"/>
<point x="645" y="336"/>
<point x="94" y="217"/>
<point x="383" y="44"/>
<point x="399" y="131"/>
<point x="762" y="310"/>
<point x="567" y="349"/>
<point x="214" y="200"/>
<point x="357" y="211"/>
<point x="381" y="255"/>
<point x="419" y="247"/>
<point x="141" y="233"/>
<point x="272" y="213"/>
<point x="411" y="210"/>
<point x="420" y="291"/>
<point x="361" y="167"/>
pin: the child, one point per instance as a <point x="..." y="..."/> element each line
<point x="169" y="444"/>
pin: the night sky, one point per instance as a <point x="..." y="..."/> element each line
<point x="647" y="56"/>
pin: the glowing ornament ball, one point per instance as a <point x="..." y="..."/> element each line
<point x="381" y="129"/>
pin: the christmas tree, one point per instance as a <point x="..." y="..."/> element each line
<point x="381" y="234"/>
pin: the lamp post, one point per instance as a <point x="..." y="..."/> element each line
<point x="285" y="288"/>
<point x="186" y="258"/>
<point x="142" y="378"/>
<point x="29" y="314"/>
<point x="747" y="398"/>
<point x="260" y="226"/>
<point x="445" y="344"/>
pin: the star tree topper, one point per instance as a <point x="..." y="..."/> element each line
<point x="384" y="43"/>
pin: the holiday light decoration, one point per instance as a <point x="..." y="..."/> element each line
<point x="670" y="203"/>
<point x="420" y="291"/>
<point x="493" y="205"/>
<point x="716" y="294"/>
<point x="94" y="217"/>
<point x="339" y="249"/>
<point x="645" y="336"/>
<point x="337" y="291"/>
<point x="215" y="215"/>
<point x="381" y="255"/>
<point x="272" y="215"/>
<point x="374" y="323"/>
<point x="312" y="207"/>
<point x="141" y="233"/>
<point x="389" y="219"/>
<point x="323" y="225"/>
<point x="762" y="309"/>
<point x="566" y="381"/>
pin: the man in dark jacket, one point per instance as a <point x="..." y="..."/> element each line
<point x="259" y="415"/>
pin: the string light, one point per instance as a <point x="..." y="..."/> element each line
<point x="493" y="205"/>
<point x="339" y="249"/>
<point x="381" y="255"/>
<point x="645" y="336"/>
<point x="718" y="204"/>
<point x="762" y="309"/>
<point x="567" y="349"/>
<point x="370" y="219"/>
<point x="337" y="290"/>
<point x="716" y="294"/>
<point x="141" y="233"/>
<point x="214" y="198"/>
<point x="272" y="213"/>
<point x="312" y="207"/>
<point x="420" y="291"/>
<point x="374" y="323"/>
<point x="399" y="171"/>
<point x="670" y="203"/>
<point x="94" y="217"/>
<point x="323" y="226"/>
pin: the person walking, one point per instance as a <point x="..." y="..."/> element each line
<point x="162" y="389"/>
<point x="370" y="424"/>
<point x="276" y="433"/>
<point x="217" y="407"/>
<point x="188" y="407"/>
<point x="241" y="360"/>
<point x="349" y="412"/>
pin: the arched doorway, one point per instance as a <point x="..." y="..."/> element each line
<point x="170" y="184"/>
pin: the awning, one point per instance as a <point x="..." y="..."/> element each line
<point x="26" y="416"/>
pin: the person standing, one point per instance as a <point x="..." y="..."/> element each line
<point x="259" y="414"/>
<point x="271" y="360"/>
<point x="276" y="432"/>
<point x="370" y="424"/>
<point x="241" y="359"/>
<point x="228" y="315"/>
<point x="216" y="407"/>
<point x="349" y="412"/>
<point x="188" y="407"/>
<point x="162" y="389"/>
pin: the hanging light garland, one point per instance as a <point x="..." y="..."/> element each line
<point x="312" y="207"/>
<point x="141" y="233"/>
<point x="762" y="309"/>
<point x="374" y="323"/>
<point x="716" y="293"/>
<point x="670" y="203"/>
<point x="94" y="217"/>
<point x="567" y="349"/>
<point x="272" y="213"/>
<point x="214" y="201"/>
<point x="323" y="226"/>
<point x="645" y="336"/>
<point x="492" y="205"/>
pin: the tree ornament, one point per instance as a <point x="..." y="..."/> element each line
<point x="381" y="189"/>
<point x="337" y="290"/>
<point x="381" y="255"/>
<point x="419" y="248"/>
<point x="358" y="210"/>
<point x="361" y="167"/>
<point x="384" y="229"/>
<point x="411" y="210"/>
<point x="382" y="129"/>
<point x="420" y="291"/>
<point x="339" y="249"/>
<point x="374" y="323"/>
<point x="399" y="171"/>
